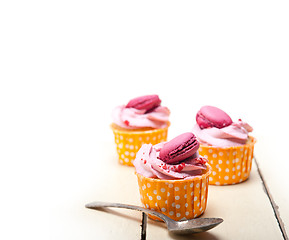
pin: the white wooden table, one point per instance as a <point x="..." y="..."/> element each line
<point x="65" y="64"/>
<point x="245" y="208"/>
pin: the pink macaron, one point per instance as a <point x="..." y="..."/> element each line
<point x="209" y="116"/>
<point x="179" y="148"/>
<point x="147" y="102"/>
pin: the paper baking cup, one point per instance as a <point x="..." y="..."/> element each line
<point x="230" y="165"/>
<point x="129" y="142"/>
<point x="178" y="199"/>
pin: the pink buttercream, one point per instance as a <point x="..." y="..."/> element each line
<point x="233" y="135"/>
<point x="148" y="164"/>
<point x="132" y="118"/>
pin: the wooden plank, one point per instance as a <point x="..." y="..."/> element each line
<point x="245" y="208"/>
<point x="272" y="202"/>
<point x="274" y="167"/>
<point x="104" y="180"/>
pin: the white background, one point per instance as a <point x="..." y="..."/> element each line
<point x="64" y="65"/>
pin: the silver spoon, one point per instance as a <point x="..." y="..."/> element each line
<point x="196" y="225"/>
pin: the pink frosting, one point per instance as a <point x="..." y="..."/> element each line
<point x="148" y="164"/>
<point x="132" y="118"/>
<point x="233" y="135"/>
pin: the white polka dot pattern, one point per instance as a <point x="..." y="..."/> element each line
<point x="178" y="199"/>
<point x="129" y="142"/>
<point x="230" y="165"/>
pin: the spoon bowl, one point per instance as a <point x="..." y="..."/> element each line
<point x="195" y="225"/>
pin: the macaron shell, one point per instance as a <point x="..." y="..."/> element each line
<point x="209" y="116"/>
<point x="147" y="102"/>
<point x="179" y="148"/>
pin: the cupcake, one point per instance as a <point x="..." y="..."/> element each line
<point x="141" y="120"/>
<point x="226" y="144"/>
<point x="173" y="178"/>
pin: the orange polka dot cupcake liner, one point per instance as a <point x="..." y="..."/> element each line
<point x="230" y="165"/>
<point x="129" y="142"/>
<point x="177" y="199"/>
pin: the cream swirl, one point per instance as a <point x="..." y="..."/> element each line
<point x="132" y="118"/>
<point x="233" y="135"/>
<point x="148" y="164"/>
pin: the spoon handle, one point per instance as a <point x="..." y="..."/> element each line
<point x="96" y="205"/>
